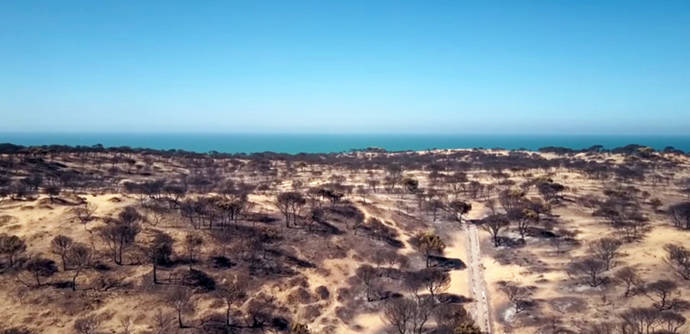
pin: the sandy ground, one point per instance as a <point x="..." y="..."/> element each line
<point x="38" y="221"/>
<point x="481" y="307"/>
<point x="557" y="294"/>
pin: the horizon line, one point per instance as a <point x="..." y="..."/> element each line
<point x="382" y="133"/>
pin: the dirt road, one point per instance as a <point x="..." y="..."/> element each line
<point x="481" y="309"/>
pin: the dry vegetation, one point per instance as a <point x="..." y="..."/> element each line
<point x="118" y="240"/>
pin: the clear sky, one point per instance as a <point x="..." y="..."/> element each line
<point x="371" y="66"/>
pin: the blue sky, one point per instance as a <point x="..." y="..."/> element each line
<point x="578" y="67"/>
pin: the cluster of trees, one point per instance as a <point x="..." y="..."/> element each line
<point x="419" y="304"/>
<point x="24" y="187"/>
<point x="413" y="316"/>
<point x="414" y="313"/>
<point x="32" y="269"/>
<point x="290" y="203"/>
<point x="664" y="314"/>
<point x="218" y="211"/>
<point x="518" y="212"/>
<point x="622" y="210"/>
<point x="122" y="236"/>
<point x="120" y="233"/>
<point x="448" y="183"/>
<point x="447" y="167"/>
<point x="628" y="149"/>
<point x="600" y="259"/>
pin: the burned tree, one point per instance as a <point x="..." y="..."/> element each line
<point x="549" y="190"/>
<point x="193" y="211"/>
<point x="680" y="215"/>
<point x="84" y="213"/>
<point x="174" y="192"/>
<point x="453" y="318"/>
<point x="457" y="209"/>
<point x="456" y="183"/>
<point x="373" y="183"/>
<point x="435" y="281"/>
<point x="53" y="189"/>
<point x="61" y="245"/>
<point x="233" y="208"/>
<point x="664" y="294"/>
<point x="33" y="182"/>
<point x="524" y="219"/>
<point x="398" y="314"/>
<point x="511" y="199"/>
<point x="434" y="206"/>
<point x="429" y="243"/>
<point x="671" y="322"/>
<point x="159" y="250"/>
<point x="119" y="234"/>
<point x="289" y="204"/>
<point x="639" y="320"/>
<point x="606" y="250"/>
<point x="678" y="257"/>
<point x="233" y="294"/>
<point x="261" y="309"/>
<point x="80" y="257"/>
<point x="517" y="295"/>
<point x="39" y="267"/>
<point x="630" y="278"/>
<point x="179" y="298"/>
<point x="410" y="184"/>
<point x="589" y="269"/>
<point x="11" y="246"/>
<point x="408" y="316"/>
<point x="623" y="212"/>
<point x="192" y="244"/>
<point x="494" y="224"/>
<point x="368" y="276"/>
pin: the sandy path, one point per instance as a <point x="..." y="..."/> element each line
<point x="479" y="293"/>
<point x="459" y="279"/>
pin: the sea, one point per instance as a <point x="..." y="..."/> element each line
<point x="330" y="143"/>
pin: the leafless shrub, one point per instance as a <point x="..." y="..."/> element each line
<point x="678" y="257"/>
<point x="88" y="325"/>
<point x="589" y="270"/>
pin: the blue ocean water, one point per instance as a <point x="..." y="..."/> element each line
<point x="327" y="143"/>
